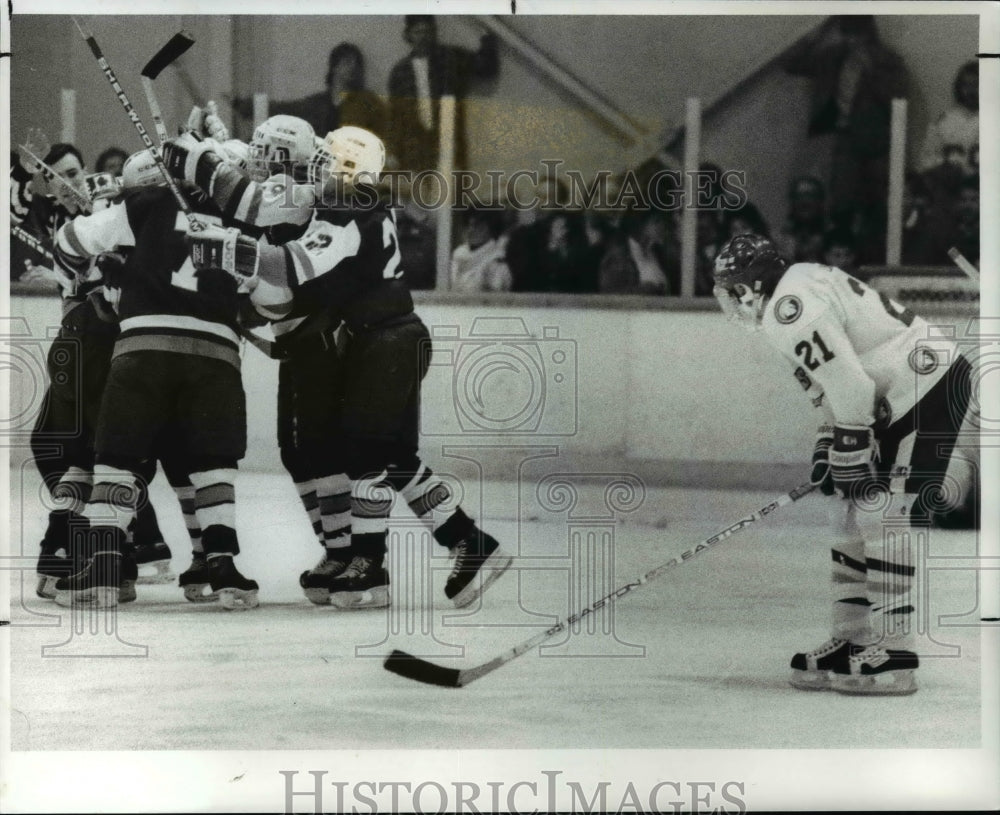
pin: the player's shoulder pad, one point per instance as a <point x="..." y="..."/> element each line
<point x="798" y="298"/>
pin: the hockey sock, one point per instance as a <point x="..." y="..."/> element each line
<point x="334" y="507"/>
<point x="428" y="497"/>
<point x="214" y="500"/>
<point x="371" y="503"/>
<point x="890" y="583"/>
<point x="114" y="498"/>
<point x="146" y="528"/>
<point x="185" y="497"/>
<point x="74" y="490"/>
<point x="309" y="497"/>
<point x="848" y="587"/>
<point x="220" y="541"/>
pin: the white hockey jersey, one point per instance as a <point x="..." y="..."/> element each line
<point x="862" y="355"/>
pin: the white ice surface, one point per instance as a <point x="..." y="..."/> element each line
<point x="713" y="637"/>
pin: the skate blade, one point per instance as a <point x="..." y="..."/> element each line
<point x="155" y="573"/>
<point x="317" y="596"/>
<point x="195" y="592"/>
<point x="238" y="599"/>
<point x="890" y="683"/>
<point x="493" y="567"/>
<point x="810" y="680"/>
<point x="96" y="597"/>
<point x="377" y="597"/>
<point x="46" y="586"/>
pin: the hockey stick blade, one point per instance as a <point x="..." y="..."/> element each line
<point x="420" y="670"/>
<point x="179" y="43"/>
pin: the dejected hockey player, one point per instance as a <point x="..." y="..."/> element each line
<point x="174" y="379"/>
<point x="895" y="398"/>
<point x="349" y="258"/>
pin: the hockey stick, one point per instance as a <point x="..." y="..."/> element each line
<point x="421" y="670"/>
<point x="962" y="263"/>
<point x="178" y="44"/>
<point x="51" y="175"/>
<point x="30" y="241"/>
<point x="195" y="224"/>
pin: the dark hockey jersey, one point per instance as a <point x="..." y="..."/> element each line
<point x="349" y="261"/>
<point x="165" y="303"/>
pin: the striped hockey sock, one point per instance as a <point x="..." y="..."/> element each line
<point x="371" y="503"/>
<point x="430" y="499"/>
<point x="185" y="497"/>
<point x="310" y="502"/>
<point x="335" y="510"/>
<point x="113" y="499"/>
<point x="890" y="584"/>
<point x="215" y="508"/>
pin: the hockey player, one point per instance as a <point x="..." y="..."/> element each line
<point x="349" y="259"/>
<point x="895" y="398"/>
<point x="77" y="362"/>
<point x="174" y="379"/>
<point x="307" y="341"/>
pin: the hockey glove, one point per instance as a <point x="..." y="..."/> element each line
<point x="821" y="476"/>
<point x="190" y="159"/>
<point x="225" y="249"/>
<point x="852" y="459"/>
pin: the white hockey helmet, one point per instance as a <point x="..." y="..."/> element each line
<point x="140" y="170"/>
<point x="351" y="154"/>
<point x="278" y="145"/>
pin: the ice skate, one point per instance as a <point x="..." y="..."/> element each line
<point x="235" y="591"/>
<point x="97" y="585"/>
<point x="363" y="584"/>
<point x="479" y="561"/>
<point x="315" y="583"/>
<point x="153" y="560"/>
<point x="877" y="671"/>
<point x="52" y="564"/>
<point x="811" y="670"/>
<point x="196" y="581"/>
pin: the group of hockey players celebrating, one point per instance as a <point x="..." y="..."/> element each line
<point x="161" y="280"/>
<point x="159" y="288"/>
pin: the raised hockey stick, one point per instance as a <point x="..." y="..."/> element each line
<point x="421" y="670"/>
<point x="195" y="224"/>
<point x="962" y="263"/>
<point x="51" y="175"/>
<point x="178" y="44"/>
<point x="30" y="241"/>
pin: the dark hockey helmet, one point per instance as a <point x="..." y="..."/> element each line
<point x="747" y="271"/>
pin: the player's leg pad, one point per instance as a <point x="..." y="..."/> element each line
<point x="479" y="562"/>
<point x="196" y="581"/>
<point x="363" y="584"/>
<point x="153" y="560"/>
<point x="811" y="669"/>
<point x="97" y="585"/>
<point x="315" y="583"/>
<point x="877" y="671"/>
<point x="235" y="591"/>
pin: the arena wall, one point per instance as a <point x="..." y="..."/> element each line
<point x="673" y="394"/>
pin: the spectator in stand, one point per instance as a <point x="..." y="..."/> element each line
<point x="418" y="81"/>
<point x="478" y="264"/>
<point x="855" y="78"/>
<point x="745" y="220"/>
<point x="926" y="224"/>
<point x="344" y="101"/>
<point x="953" y="138"/>
<point x="711" y="237"/>
<point x="417" y="233"/>
<point x="801" y="236"/>
<point x="839" y="251"/>
<point x="111" y="161"/>
<point x="966" y="234"/>
<point x="639" y="259"/>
